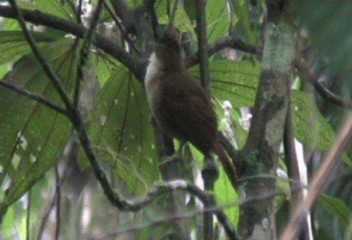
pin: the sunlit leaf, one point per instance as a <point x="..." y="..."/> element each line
<point x="233" y="81"/>
<point x="227" y="197"/>
<point x="218" y="19"/>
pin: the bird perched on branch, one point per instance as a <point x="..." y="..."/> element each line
<point x="181" y="107"/>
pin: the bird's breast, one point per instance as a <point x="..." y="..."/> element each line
<point x="152" y="81"/>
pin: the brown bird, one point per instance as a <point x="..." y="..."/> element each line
<point x="181" y="107"/>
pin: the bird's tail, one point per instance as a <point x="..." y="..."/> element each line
<point x="229" y="168"/>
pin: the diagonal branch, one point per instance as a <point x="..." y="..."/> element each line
<point x="136" y="65"/>
<point x="232" y="41"/>
<point x="34" y="97"/>
<point x="323" y="91"/>
<point x="36" y="17"/>
<point x="125" y="34"/>
<point x="125" y="14"/>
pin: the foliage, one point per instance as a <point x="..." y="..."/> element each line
<point x="33" y="138"/>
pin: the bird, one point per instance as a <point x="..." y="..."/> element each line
<point x="182" y="107"/>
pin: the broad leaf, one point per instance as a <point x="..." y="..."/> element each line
<point x="32" y="136"/>
<point x="233" y="81"/>
<point x="227" y="197"/>
<point x="310" y="126"/>
<point x="13" y="44"/>
<point x="218" y="20"/>
<point x="337" y="208"/>
<point x="121" y="131"/>
<point x="59" y="8"/>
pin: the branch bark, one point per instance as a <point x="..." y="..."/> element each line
<point x="323" y="91"/>
<point x="261" y="151"/>
<point x="136" y="65"/>
<point x="34" y="97"/>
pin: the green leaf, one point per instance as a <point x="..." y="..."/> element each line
<point x="103" y="65"/>
<point x="121" y="131"/>
<point x="233" y="81"/>
<point x="337" y="208"/>
<point x="310" y="126"/>
<point x="242" y="13"/>
<point x="183" y="22"/>
<point x="32" y="135"/>
<point x="13" y="44"/>
<point x="218" y="20"/>
<point x="59" y="8"/>
<point x="227" y="197"/>
<point x="4" y="68"/>
<point x="9" y="24"/>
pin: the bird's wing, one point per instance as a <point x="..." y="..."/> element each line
<point x="187" y="113"/>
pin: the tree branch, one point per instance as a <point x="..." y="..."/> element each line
<point x="122" y="29"/>
<point x="323" y="91"/>
<point x="34" y="97"/>
<point x="125" y="14"/>
<point x="134" y="64"/>
<point x="232" y="41"/>
<point x="261" y="151"/>
<point x="210" y="170"/>
<point x="296" y="173"/>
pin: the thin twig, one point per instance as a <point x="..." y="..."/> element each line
<point x="58" y="202"/>
<point x="202" y="44"/>
<point x="125" y="35"/>
<point x="295" y="172"/>
<point x="209" y="171"/>
<point x="323" y="91"/>
<point x="149" y="4"/>
<point x="58" y="181"/>
<point x="125" y="14"/>
<point x="78" y="11"/>
<point x="34" y="97"/>
<point x="218" y="210"/>
<point x="176" y="217"/>
<point x="84" y="51"/>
